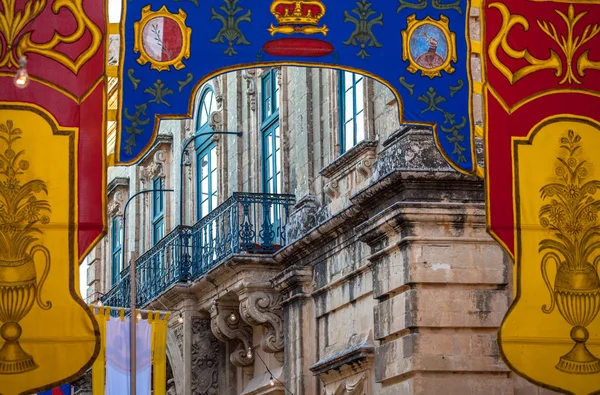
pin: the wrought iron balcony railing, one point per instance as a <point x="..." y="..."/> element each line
<point x="119" y="294"/>
<point x="251" y="223"/>
<point x="246" y="222"/>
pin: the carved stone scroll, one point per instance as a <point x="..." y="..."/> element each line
<point x="225" y="329"/>
<point x="264" y="307"/>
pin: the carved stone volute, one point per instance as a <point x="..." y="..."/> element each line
<point x="216" y="121"/>
<point x="332" y="189"/>
<point x="226" y="329"/>
<point x="263" y="306"/>
<point x="155" y="168"/>
<point x="115" y="207"/>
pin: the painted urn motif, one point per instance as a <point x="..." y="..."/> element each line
<point x="572" y="218"/>
<point x="20" y="212"/>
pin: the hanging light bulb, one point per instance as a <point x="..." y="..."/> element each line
<point x="139" y="316"/>
<point x="233" y="318"/>
<point x="272" y="381"/>
<point x="21" y="79"/>
<point x="249" y="353"/>
<point x="99" y="304"/>
<point x="180" y="318"/>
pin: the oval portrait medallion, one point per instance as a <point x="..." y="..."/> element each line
<point x="429" y="46"/>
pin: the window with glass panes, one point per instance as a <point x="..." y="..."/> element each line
<point x="206" y="157"/>
<point x="271" y="133"/>
<point x="158" y="211"/>
<point x="351" y="103"/>
<point x="117" y="249"/>
<point x="207" y="180"/>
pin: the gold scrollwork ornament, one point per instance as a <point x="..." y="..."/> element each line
<point x="569" y="45"/>
<point x="12" y="22"/>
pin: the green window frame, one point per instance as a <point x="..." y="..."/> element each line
<point x="351" y="109"/>
<point x="158" y="211"/>
<point x="117" y="249"/>
<point x="271" y="136"/>
<point x="207" y="180"/>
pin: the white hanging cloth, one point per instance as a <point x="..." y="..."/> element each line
<point x="117" y="357"/>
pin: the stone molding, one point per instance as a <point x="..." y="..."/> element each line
<point x="250" y="77"/>
<point x="263" y="307"/>
<point x="226" y="330"/>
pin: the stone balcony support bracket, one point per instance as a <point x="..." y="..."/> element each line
<point x="226" y="329"/>
<point x="261" y="305"/>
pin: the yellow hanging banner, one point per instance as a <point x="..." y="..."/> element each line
<point x="48" y="334"/>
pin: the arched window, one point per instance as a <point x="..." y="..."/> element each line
<point x="208" y="104"/>
<point x="206" y="156"/>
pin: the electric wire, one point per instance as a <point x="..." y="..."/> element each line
<point x="271" y="373"/>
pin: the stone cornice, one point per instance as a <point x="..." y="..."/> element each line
<point x="398" y="134"/>
<point x="361" y="353"/>
<point x="116" y="183"/>
<point x="340" y="165"/>
<point x="402" y="185"/>
<point x="160" y="140"/>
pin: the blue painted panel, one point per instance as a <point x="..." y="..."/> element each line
<point x="361" y="36"/>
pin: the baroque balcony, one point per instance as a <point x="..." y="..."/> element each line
<point x="251" y="223"/>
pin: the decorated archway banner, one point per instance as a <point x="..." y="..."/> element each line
<point x="52" y="187"/>
<point x="543" y="184"/>
<point x="419" y="48"/>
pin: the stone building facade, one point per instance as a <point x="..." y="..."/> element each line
<point x="328" y="249"/>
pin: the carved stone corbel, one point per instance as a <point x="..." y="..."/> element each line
<point x="250" y="77"/>
<point x="155" y="168"/>
<point x="226" y="329"/>
<point x="345" y="388"/>
<point x="115" y="208"/>
<point x="263" y="307"/>
<point x="216" y="121"/>
<point x="332" y="189"/>
<point x="364" y="167"/>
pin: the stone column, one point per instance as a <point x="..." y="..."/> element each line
<point x="298" y="328"/>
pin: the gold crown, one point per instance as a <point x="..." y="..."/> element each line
<point x="290" y="12"/>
